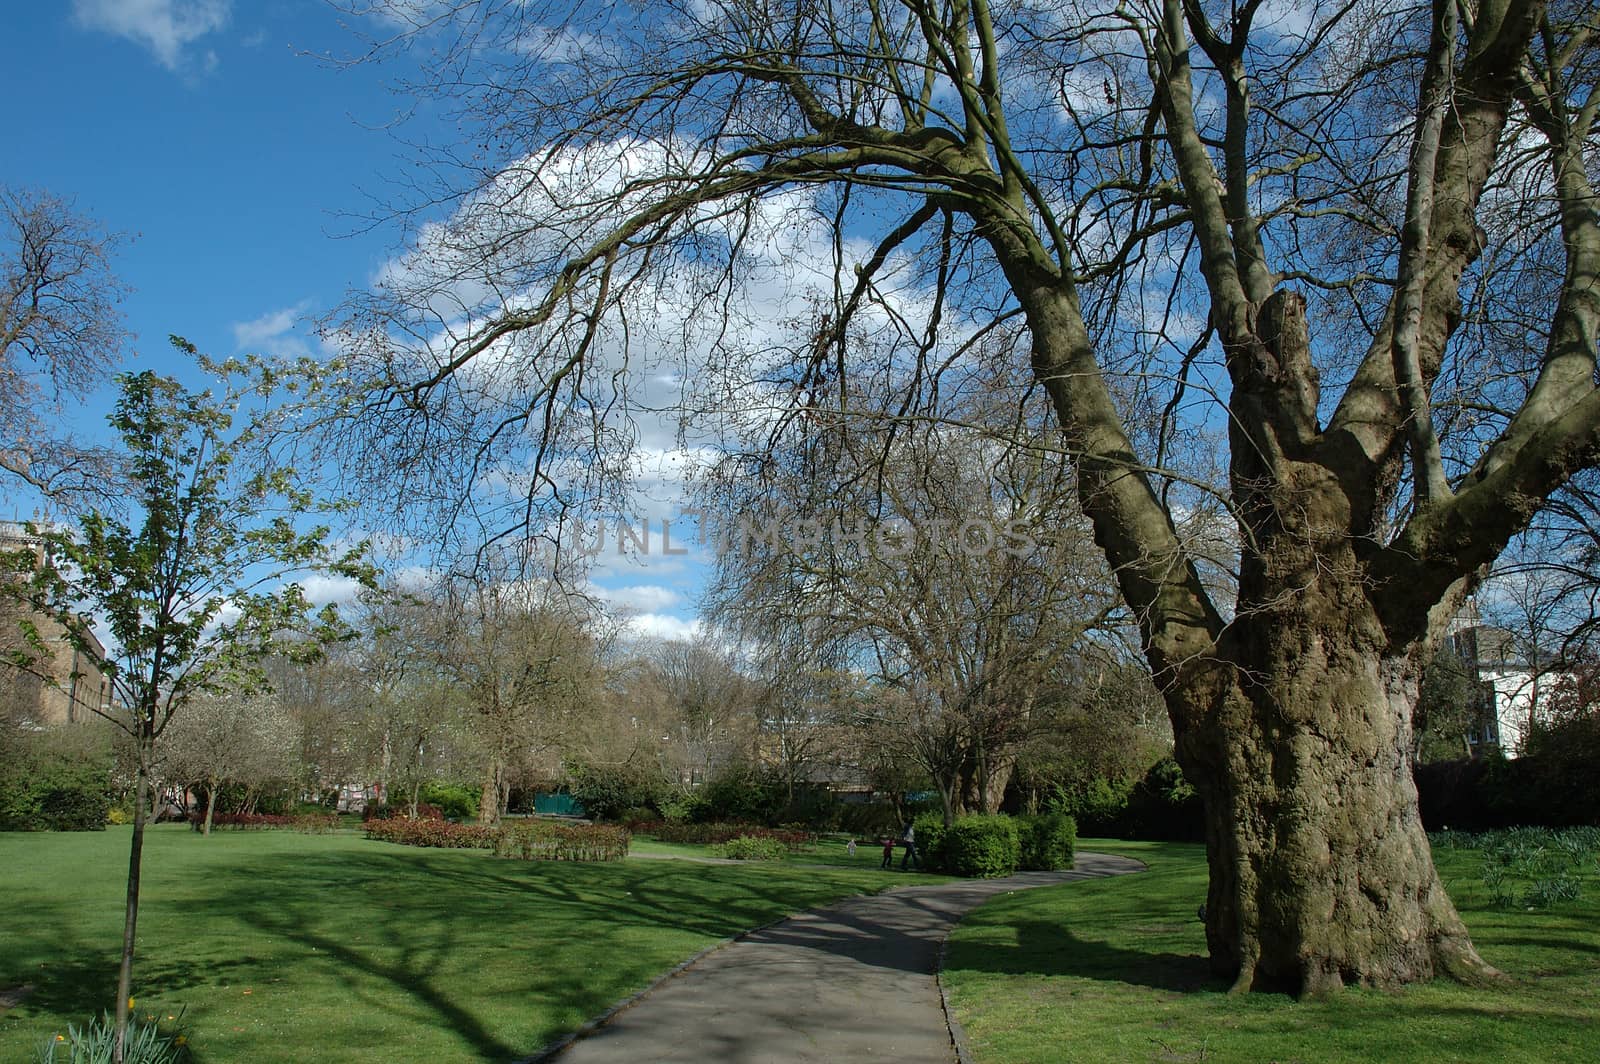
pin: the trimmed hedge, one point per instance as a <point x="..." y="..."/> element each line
<point x="931" y="835"/>
<point x="1489" y="793"/>
<point x="1048" y="842"/>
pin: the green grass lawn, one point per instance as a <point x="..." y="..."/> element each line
<point x="289" y="947"/>
<point x="1114" y="970"/>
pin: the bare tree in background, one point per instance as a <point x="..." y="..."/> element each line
<point x="949" y="561"/>
<point x="1357" y="241"/>
<point x="524" y="657"/>
<point x="712" y="703"/>
<point x="60" y="336"/>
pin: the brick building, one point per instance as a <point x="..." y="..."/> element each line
<point x="65" y="684"/>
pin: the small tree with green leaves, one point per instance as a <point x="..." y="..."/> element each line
<point x="195" y="586"/>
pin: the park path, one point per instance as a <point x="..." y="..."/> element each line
<point x="853" y="981"/>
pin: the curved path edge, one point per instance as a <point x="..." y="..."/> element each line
<point x="858" y="979"/>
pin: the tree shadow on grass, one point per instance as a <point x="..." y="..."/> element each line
<point x="83" y="983"/>
<point x="401" y="929"/>
<point x="1052" y="949"/>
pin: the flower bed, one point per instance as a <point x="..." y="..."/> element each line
<point x="719" y="834"/>
<point x="529" y="840"/>
<point x="313" y="824"/>
<point x="438" y="833"/>
<point x="540" y="840"/>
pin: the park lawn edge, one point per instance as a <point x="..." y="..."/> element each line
<point x="1114" y="969"/>
<point x="289" y="947"/>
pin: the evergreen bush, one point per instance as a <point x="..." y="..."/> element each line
<point x="55" y="795"/>
<point x="1048" y="842"/>
<point x="454" y="800"/>
<point x="981" y="847"/>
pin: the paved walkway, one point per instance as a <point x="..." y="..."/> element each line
<point x="850" y="982"/>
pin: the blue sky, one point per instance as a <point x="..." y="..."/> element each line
<point x="240" y="165"/>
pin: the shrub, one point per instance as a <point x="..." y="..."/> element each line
<point x="607" y="791"/>
<point x="453" y="800"/>
<point x="683" y="807"/>
<point x="981" y="847"/>
<point x="751" y="848"/>
<point x="1047" y="842"/>
<point x="931" y="835"/>
<point x="816" y="808"/>
<point x="1100" y="805"/>
<point x="745" y="792"/>
<point x="56" y="795"/>
<point x="869" y="819"/>
<point x="1547" y="790"/>
<point x="529" y="840"/>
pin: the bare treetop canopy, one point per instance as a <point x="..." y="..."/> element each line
<point x="1351" y="246"/>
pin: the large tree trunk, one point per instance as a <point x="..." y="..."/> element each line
<point x="984" y="776"/>
<point x="1321" y="873"/>
<point x="495" y="790"/>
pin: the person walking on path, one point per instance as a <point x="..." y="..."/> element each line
<point x="908" y="839"/>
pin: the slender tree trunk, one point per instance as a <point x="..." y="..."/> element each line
<point x="385" y="760"/>
<point x="141" y="806"/>
<point x="211" y="805"/>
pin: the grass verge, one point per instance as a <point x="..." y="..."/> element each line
<point x="289" y="947"/>
<point x="1115" y="969"/>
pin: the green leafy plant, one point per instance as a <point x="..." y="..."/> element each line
<point x="747" y="848"/>
<point x="453" y="800"/>
<point x="147" y="1042"/>
<point x="1529" y="867"/>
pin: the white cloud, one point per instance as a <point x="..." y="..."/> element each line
<point x="274" y="332"/>
<point x="662" y="626"/>
<point x="165" y="27"/>
<point x="321" y="590"/>
<point x="646" y="598"/>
